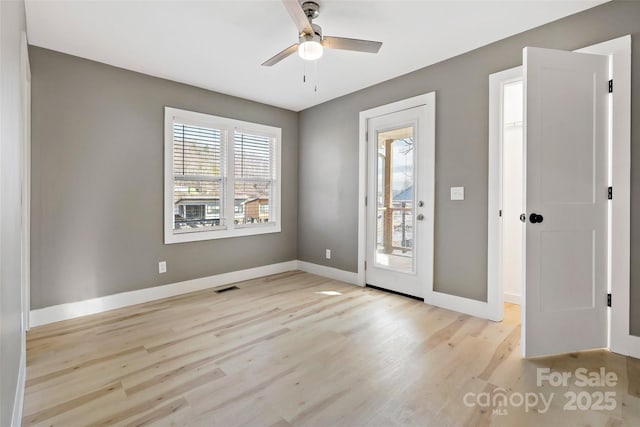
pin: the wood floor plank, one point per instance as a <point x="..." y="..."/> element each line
<point x="159" y="413"/>
<point x="45" y="413"/>
<point x="506" y="347"/>
<point x="84" y="364"/>
<point x="158" y="399"/>
<point x="633" y="371"/>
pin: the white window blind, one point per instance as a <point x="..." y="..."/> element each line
<point x="221" y="177"/>
<point x="197" y="169"/>
<point x="254" y="175"/>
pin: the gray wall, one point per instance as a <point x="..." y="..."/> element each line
<point x="329" y="147"/>
<point x="97" y="182"/>
<point x="11" y="134"/>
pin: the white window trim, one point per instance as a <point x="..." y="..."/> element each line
<point x="228" y="127"/>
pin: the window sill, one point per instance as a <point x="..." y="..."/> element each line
<point x="245" y="230"/>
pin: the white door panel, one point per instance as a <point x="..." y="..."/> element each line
<point x="566" y="183"/>
<point x="399" y="212"/>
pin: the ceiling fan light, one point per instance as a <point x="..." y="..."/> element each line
<point x="310" y="50"/>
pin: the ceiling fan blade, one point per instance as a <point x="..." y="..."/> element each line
<point x="280" y="56"/>
<point x="351" y="44"/>
<point x="298" y="16"/>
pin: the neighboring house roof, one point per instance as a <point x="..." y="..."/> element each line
<point x="405" y="195"/>
<point x="202" y="199"/>
<point x="253" y="199"/>
<point x="197" y="199"/>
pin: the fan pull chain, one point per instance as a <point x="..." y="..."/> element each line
<point x="315" y="72"/>
<point x="314" y="75"/>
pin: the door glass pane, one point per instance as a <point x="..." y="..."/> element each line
<point x="394" y="199"/>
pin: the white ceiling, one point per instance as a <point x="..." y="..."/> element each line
<point x="219" y="45"/>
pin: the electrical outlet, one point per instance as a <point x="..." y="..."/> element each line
<point x="162" y="267"/>
<point x="328" y="254"/>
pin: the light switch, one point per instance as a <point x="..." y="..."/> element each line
<point x="457" y="193"/>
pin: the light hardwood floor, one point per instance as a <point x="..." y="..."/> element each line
<point x="285" y="350"/>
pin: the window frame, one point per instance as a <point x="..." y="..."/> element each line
<point x="228" y="127"/>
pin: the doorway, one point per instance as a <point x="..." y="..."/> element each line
<point x="552" y="319"/>
<point x="399" y="195"/>
<point x="510" y="117"/>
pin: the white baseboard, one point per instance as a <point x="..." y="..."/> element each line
<point x="330" y="272"/>
<point x="16" y="416"/>
<point x="71" y="310"/>
<point x="628" y="344"/>
<point x="512" y="298"/>
<point x="462" y="305"/>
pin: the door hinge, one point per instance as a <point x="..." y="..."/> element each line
<point x="365" y="200"/>
<point x="365" y="265"/>
<point x="500" y="212"/>
<point x="610" y="193"/>
<point x="611" y="86"/>
<point x="366" y="136"/>
<point x="608" y="300"/>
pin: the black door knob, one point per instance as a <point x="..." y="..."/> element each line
<point x="534" y="218"/>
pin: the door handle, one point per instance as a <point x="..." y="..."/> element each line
<point x="420" y="217"/>
<point x="420" y="204"/>
<point x="523" y="218"/>
<point x="534" y="218"/>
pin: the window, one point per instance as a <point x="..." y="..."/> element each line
<point x="213" y="208"/>
<point x="222" y="177"/>
<point x="195" y="212"/>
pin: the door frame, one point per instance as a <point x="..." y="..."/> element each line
<point x="25" y="154"/>
<point x="620" y="340"/>
<point x="428" y="100"/>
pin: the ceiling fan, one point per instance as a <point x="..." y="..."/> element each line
<point x="311" y="41"/>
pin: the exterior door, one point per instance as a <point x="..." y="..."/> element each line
<point x="399" y="202"/>
<point x="566" y="139"/>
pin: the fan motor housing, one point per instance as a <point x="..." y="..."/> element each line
<point x="311" y="9"/>
<point x="317" y="30"/>
<point x="317" y="36"/>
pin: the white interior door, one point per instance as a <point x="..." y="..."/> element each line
<point x="399" y="202"/>
<point x="566" y="201"/>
